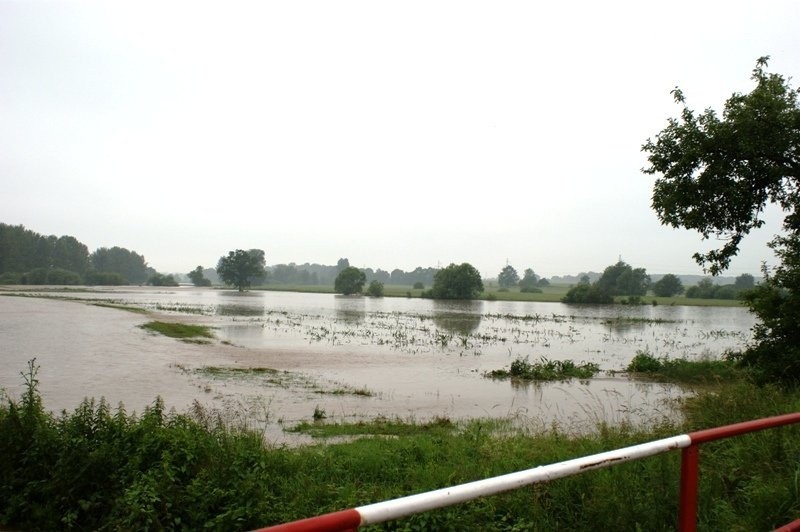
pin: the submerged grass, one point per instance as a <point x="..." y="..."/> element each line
<point x="95" y="468"/>
<point x="281" y="379"/>
<point x="182" y="331"/>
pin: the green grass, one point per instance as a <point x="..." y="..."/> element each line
<point x="95" y="468"/>
<point x="546" y="370"/>
<point x="181" y="331"/>
<point x="378" y="427"/>
<point x="681" y="370"/>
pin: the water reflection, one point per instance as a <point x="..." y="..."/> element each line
<point x="459" y="317"/>
<point x="350" y="309"/>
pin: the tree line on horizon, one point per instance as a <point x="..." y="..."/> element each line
<point x="27" y="257"/>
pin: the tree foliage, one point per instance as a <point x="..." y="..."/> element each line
<point x="460" y="281"/>
<point x="508" y="277"/>
<point x="198" y="278"/>
<point x="159" y="279"/>
<point x="717" y="175"/>
<point x="668" y="286"/>
<point x="128" y="264"/>
<point x="23" y="250"/>
<point x="707" y="289"/>
<point x="588" y="293"/>
<point x="240" y="268"/>
<point x="621" y="279"/>
<point x="350" y="281"/>
<point x="375" y="289"/>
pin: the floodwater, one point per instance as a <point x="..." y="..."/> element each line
<point x="353" y="357"/>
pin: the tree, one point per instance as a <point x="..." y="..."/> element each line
<point x="508" y="277"/>
<point x="716" y="176"/>
<point x="350" y="281"/>
<point x="240" y="268"/>
<point x="744" y="282"/>
<point x="529" y="279"/>
<point x="375" y="289"/>
<point x="128" y="264"/>
<point x="621" y="279"/>
<point x="198" y="278"/>
<point x="668" y="286"/>
<point x="457" y="282"/>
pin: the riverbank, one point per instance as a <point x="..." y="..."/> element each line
<point x="100" y="468"/>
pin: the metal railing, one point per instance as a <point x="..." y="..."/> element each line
<point x="423" y="502"/>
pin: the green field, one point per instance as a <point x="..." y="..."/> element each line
<point x="552" y="294"/>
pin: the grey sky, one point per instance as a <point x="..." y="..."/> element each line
<point x="397" y="134"/>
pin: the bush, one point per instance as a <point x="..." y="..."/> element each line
<point x="585" y="293"/>
<point x="375" y="289"/>
<point x="419" y="286"/>
<point x="10" y="278"/>
<point x="158" y="279"/>
<point x="530" y="290"/>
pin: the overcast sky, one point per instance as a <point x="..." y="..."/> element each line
<point x="397" y="134"/>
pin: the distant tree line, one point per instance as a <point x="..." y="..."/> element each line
<point x="530" y="282"/>
<point x="325" y="275"/>
<point x="27" y="257"/>
<point x="619" y="279"/>
<point x="706" y="289"/>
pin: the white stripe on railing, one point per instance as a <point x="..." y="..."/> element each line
<point x="404" y="506"/>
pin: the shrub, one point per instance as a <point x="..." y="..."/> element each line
<point x="530" y="290"/>
<point x="375" y="289"/>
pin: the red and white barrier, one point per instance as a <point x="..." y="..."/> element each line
<point x="423" y="502"/>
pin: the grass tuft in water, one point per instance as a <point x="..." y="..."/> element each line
<point x="681" y="370"/>
<point x="546" y="370"/>
<point x="178" y="330"/>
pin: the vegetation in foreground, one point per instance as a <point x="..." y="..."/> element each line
<point x="95" y="468"/>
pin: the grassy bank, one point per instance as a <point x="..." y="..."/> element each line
<point x="99" y="468"/>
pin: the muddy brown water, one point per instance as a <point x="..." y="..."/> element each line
<point x="353" y="357"/>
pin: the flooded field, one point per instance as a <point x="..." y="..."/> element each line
<point x="278" y="357"/>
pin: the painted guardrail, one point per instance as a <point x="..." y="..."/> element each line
<point x="689" y="444"/>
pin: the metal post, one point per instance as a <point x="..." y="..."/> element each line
<point x="687" y="517"/>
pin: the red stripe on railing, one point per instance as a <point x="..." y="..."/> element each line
<point x="794" y="526"/>
<point x="332" y="522"/>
